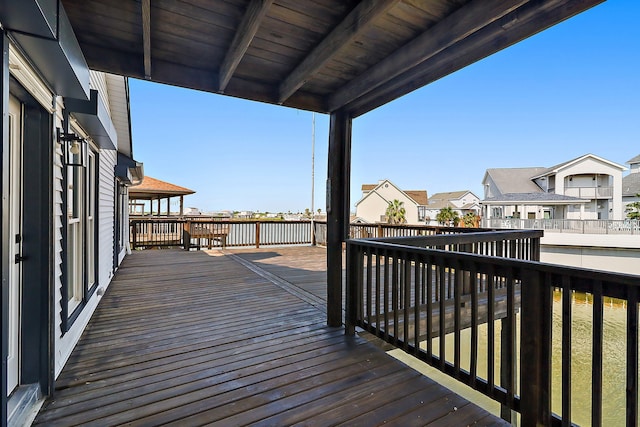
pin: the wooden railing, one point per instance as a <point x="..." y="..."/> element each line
<point x="212" y="233"/>
<point x="394" y="289"/>
<point x="156" y="233"/>
<point x="365" y="231"/>
<point x="195" y="233"/>
<point x="585" y="226"/>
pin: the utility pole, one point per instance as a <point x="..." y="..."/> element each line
<point x="313" y="154"/>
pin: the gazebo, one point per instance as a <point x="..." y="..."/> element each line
<point x="152" y="189"/>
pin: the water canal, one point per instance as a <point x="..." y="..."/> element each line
<point x="614" y="360"/>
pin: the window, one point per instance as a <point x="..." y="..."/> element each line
<point x="80" y="253"/>
<point x="422" y="213"/>
<point x="75" y="232"/>
<point x="122" y="216"/>
<point x="91" y="222"/>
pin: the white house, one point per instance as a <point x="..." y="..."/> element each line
<point x="462" y="202"/>
<point x="375" y="199"/>
<point x="631" y="182"/>
<point x="67" y="164"/>
<point x="587" y="187"/>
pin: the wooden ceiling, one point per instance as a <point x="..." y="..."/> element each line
<point x="319" y="55"/>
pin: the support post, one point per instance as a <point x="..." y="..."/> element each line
<point x="338" y="184"/>
<point x="181" y="205"/>
<point x="535" y="350"/>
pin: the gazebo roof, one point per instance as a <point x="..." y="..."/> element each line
<point x="152" y="188"/>
<point x="325" y="56"/>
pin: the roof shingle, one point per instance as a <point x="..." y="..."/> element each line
<point x="154" y="188"/>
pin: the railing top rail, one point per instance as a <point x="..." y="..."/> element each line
<point x="486" y="235"/>
<point x="217" y="221"/>
<point x="615" y="283"/>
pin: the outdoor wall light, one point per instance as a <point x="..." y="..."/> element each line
<point x="74" y="149"/>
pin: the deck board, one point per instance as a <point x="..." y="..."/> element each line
<point x="193" y="338"/>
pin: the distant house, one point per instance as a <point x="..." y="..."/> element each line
<point x="631" y="183"/>
<point x="372" y="206"/>
<point x="587" y="187"/>
<point x="462" y="202"/>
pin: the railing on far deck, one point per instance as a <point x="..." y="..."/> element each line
<point x="393" y="288"/>
<point x="156" y="233"/>
<point x="197" y="233"/>
<point x="579" y="226"/>
<point x="365" y="231"/>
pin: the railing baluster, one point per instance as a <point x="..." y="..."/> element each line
<point x="369" y="287"/>
<point x="491" y="331"/>
<point x="596" y="368"/>
<point x="387" y="264"/>
<point x="507" y="349"/>
<point x="632" y="356"/>
<point x="566" y="350"/>
<point x="416" y="304"/>
<point x="457" y="294"/>
<point x="354" y="275"/>
<point x="429" y="298"/>
<point x="407" y="302"/>
<point x="473" y="368"/>
<point x="442" y="313"/>
<point x="394" y="296"/>
<point x="379" y="263"/>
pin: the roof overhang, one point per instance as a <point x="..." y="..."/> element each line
<point x="42" y="29"/>
<point x="128" y="171"/>
<point x="335" y="55"/>
<point x="94" y="117"/>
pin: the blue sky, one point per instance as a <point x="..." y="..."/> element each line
<point x="570" y="90"/>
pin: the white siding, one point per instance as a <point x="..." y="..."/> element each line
<point x="64" y="344"/>
<point x="98" y="82"/>
<point x="117" y="87"/>
<point x="106" y="202"/>
<point x="106" y="178"/>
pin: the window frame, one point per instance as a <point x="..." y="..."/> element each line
<point x="80" y="244"/>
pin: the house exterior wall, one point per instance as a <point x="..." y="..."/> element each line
<point x="457" y="205"/>
<point x="30" y="80"/>
<point x="106" y="210"/>
<point x="374" y="205"/>
<point x="65" y="342"/>
<point x="372" y="208"/>
<point x="591" y="174"/>
<point x="490" y="188"/>
<point x="465" y="200"/>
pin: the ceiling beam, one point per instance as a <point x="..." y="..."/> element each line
<point x="146" y="37"/>
<point x="357" y="20"/>
<point x="128" y="64"/>
<point x="247" y="29"/>
<point x="519" y="25"/>
<point x="450" y="30"/>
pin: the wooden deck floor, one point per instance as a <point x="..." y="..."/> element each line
<point x="194" y="338"/>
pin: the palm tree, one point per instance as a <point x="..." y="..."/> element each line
<point x="470" y="220"/>
<point x="396" y="212"/>
<point x="447" y="216"/>
<point x="633" y="209"/>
